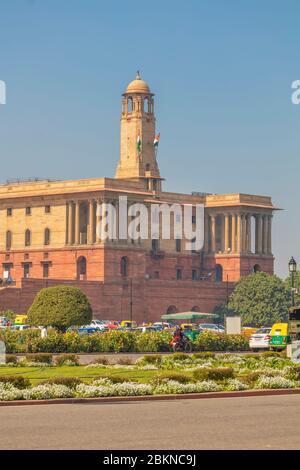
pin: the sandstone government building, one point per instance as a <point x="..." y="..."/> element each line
<point x="48" y="235"/>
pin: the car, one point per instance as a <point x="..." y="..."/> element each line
<point x="260" y="339"/>
<point x="212" y="327"/>
<point x="20" y="327"/>
<point x="98" y="324"/>
<point x="145" y="329"/>
<point x="4" y="321"/>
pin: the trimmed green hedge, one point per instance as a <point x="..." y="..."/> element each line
<point x="113" y="341"/>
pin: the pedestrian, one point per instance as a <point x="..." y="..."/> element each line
<point x="44" y="332"/>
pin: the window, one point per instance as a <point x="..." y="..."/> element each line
<point x="219" y="273"/>
<point x="46" y="270"/>
<point x="147" y="166"/>
<point x="26" y="255"/>
<point x="155" y="245"/>
<point x="28" y="211"/>
<point x="156" y="275"/>
<point x="81" y="267"/>
<point x="129" y="105"/>
<point x="47" y="209"/>
<point x="124" y="266"/>
<point x="8" y="240"/>
<point x="178" y="274"/>
<point x="26" y="269"/>
<point x="46" y="255"/>
<point x="47" y="237"/>
<point x="193" y="219"/>
<point x="194" y="275"/>
<point x="9" y="211"/>
<point x="27" y="238"/>
<point x="178" y="245"/>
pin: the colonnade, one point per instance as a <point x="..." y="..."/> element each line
<point x="232" y="232"/>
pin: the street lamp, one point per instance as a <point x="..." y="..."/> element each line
<point x="293" y="270"/>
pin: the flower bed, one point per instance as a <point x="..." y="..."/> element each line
<point x="172" y="374"/>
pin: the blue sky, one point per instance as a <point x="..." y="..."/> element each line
<point x="222" y="74"/>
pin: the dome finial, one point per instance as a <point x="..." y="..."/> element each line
<point x="138" y="76"/>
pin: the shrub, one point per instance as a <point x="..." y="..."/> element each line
<point x="209" y="341"/>
<point x="66" y="358"/>
<point x="175" y="376"/>
<point x="60" y="307"/>
<point x="251" y="378"/>
<point x="270" y="354"/>
<point x="125" y="361"/>
<point x="17" y="381"/>
<point x="101" y="361"/>
<point x="181" y="356"/>
<point x="70" y="382"/>
<point x="292" y="373"/>
<point x="11" y="359"/>
<point x="204" y="355"/>
<point x="152" y="359"/>
<point x="45" y="358"/>
<point x="47" y="391"/>
<point x="115" y="379"/>
<point x="217" y="373"/>
<point x="274" y="382"/>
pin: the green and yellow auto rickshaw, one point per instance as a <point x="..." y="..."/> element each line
<point x="280" y="337"/>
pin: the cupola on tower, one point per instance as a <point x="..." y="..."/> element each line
<point x="137" y="149"/>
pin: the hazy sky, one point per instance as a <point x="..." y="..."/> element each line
<point x="222" y="73"/>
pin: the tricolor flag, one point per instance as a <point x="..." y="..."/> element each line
<point x="139" y="144"/>
<point x="156" y="140"/>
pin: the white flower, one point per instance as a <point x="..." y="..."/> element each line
<point x="8" y="392"/>
<point x="274" y="382"/>
<point x="47" y="391"/>
<point x="234" y="384"/>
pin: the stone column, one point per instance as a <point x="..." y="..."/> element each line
<point x="70" y="222"/>
<point x="226" y="233"/>
<point x="249" y="233"/>
<point x="233" y="233"/>
<point x="77" y="223"/>
<point x="98" y="220"/>
<point x="265" y="233"/>
<point x="270" y="235"/>
<point x="239" y="233"/>
<point x="206" y="233"/>
<point x="91" y="227"/>
<point x="258" y="230"/>
<point x="213" y="233"/>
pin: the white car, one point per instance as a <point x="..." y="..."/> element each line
<point x="211" y="327"/>
<point x="260" y="339"/>
<point x="100" y="325"/>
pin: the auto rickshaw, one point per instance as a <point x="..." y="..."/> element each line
<point x="190" y="330"/>
<point x="128" y="324"/>
<point x="280" y="337"/>
<point x="21" y="319"/>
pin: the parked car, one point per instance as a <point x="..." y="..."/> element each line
<point x="145" y="329"/>
<point x="260" y="339"/>
<point x="83" y="330"/>
<point x="212" y="327"/>
<point x="4" y="321"/>
<point x="98" y="324"/>
<point x="20" y="327"/>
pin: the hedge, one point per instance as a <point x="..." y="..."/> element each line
<point x="113" y="341"/>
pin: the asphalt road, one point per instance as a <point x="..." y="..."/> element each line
<point x="223" y="423"/>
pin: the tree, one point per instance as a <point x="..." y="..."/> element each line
<point x="60" y="307"/>
<point x="288" y="283"/>
<point x="261" y="299"/>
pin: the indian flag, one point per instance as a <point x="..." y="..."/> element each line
<point x="139" y="144"/>
<point x="156" y="140"/>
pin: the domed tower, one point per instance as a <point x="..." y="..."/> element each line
<point x="138" y="149"/>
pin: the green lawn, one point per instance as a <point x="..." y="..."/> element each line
<point x="37" y="375"/>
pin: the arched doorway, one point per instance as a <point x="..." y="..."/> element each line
<point x="195" y="309"/>
<point x="256" y="268"/>
<point x="172" y="309"/>
<point x="81" y="268"/>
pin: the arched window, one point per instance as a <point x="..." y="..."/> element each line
<point x="146" y="105"/>
<point x="81" y="267"/>
<point x="129" y="105"/>
<point x="219" y="273"/>
<point x="8" y="239"/>
<point x="172" y="309"/>
<point x="47" y="236"/>
<point x="147" y="166"/>
<point x="256" y="268"/>
<point x="195" y="309"/>
<point x="124" y="266"/>
<point x="27" y="238"/>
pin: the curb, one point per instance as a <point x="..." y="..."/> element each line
<point x="184" y="396"/>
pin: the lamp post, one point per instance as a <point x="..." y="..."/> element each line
<point x="131" y="299"/>
<point x="293" y="270"/>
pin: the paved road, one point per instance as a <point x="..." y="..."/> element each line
<point x="224" y="423"/>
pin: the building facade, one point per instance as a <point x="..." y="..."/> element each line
<point x="49" y="235"/>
